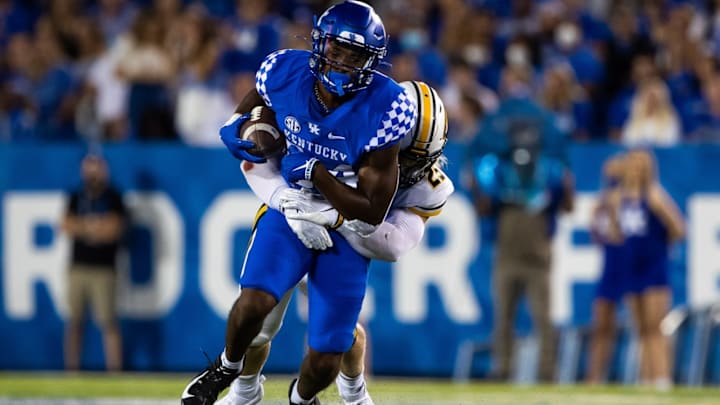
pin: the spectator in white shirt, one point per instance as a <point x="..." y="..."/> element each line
<point x="653" y="120"/>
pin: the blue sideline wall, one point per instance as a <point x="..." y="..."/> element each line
<point x="192" y="213"/>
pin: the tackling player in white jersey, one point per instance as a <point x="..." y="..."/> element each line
<point x="424" y="190"/>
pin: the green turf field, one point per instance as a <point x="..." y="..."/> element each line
<point x="162" y="389"/>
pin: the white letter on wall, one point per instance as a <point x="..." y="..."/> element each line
<point x="230" y="211"/>
<point x="25" y="263"/>
<point x="572" y="263"/>
<point x="704" y="249"/>
<point x="445" y="267"/>
<point x="157" y="212"/>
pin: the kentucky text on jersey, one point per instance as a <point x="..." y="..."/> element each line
<point x="315" y="148"/>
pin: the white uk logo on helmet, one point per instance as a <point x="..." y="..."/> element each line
<point x="352" y="37"/>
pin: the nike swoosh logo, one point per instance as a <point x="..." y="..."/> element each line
<point x="186" y="393"/>
<point x="336" y="137"/>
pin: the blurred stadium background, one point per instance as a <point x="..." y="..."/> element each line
<point x="151" y="81"/>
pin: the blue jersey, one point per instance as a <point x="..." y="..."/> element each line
<point x="375" y="118"/>
<point x="647" y="242"/>
<point x="612" y="283"/>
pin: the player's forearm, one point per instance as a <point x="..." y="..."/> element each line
<point x="351" y="202"/>
<point x="376" y="186"/>
<point x="393" y="238"/>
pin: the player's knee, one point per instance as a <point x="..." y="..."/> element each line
<point x="360" y="335"/>
<point x="252" y="306"/>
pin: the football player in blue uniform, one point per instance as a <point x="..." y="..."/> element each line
<point x="424" y="189"/>
<point x="343" y="121"/>
<point x="650" y="222"/>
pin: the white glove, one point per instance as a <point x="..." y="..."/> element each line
<point x="308" y="208"/>
<point x="312" y="235"/>
<point x="327" y="217"/>
<point x="292" y="204"/>
<point x="363" y="229"/>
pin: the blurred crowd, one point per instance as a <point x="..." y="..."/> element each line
<point x="639" y="72"/>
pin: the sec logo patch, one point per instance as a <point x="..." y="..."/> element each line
<point x="292" y="124"/>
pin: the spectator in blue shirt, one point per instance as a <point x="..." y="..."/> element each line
<point x="15" y="17"/>
<point x="518" y="104"/>
<point x="114" y="18"/>
<point x="563" y="96"/>
<point x="254" y="33"/>
<point x="38" y="77"/>
<point x="706" y="119"/>
<point x="470" y="34"/>
<point x="570" y="47"/>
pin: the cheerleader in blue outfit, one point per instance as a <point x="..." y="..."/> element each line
<point x="650" y="222"/>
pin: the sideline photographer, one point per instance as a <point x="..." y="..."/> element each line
<point x="524" y="191"/>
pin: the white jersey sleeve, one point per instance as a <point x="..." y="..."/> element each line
<point x="265" y="181"/>
<point x="398" y="234"/>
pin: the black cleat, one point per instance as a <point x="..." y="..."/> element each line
<point x="315" y="400"/>
<point x="206" y="386"/>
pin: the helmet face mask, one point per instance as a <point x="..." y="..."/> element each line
<point x="349" y="41"/>
<point x="414" y="167"/>
<point x="344" y="61"/>
<point x="423" y="146"/>
<point x="343" y="55"/>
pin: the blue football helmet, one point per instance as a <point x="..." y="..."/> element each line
<point x="349" y="41"/>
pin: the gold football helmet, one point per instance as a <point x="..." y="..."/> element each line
<point x="423" y="145"/>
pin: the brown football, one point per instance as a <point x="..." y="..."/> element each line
<point x="262" y="129"/>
